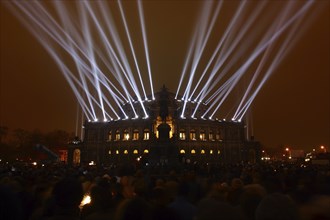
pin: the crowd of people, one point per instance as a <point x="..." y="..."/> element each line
<point x="198" y="192"/>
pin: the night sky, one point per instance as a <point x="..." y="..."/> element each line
<point x="292" y="108"/>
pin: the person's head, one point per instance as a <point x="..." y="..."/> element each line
<point x="68" y="192"/>
<point x="277" y="207"/>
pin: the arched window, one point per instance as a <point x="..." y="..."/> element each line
<point x="146" y="134"/>
<point x="182" y="151"/>
<point x="211" y="151"/>
<point x="117" y="135"/>
<point x="217" y="136"/>
<point x="109" y="136"/>
<point x="193" y="151"/>
<point x="202" y="135"/>
<point x="125" y="151"/>
<point x="211" y="136"/>
<point x="182" y="134"/>
<point x="117" y="151"/>
<point x="109" y="152"/>
<point x="135" y="151"/>
<point x="202" y="151"/>
<point x="146" y="151"/>
<point x="219" y="151"/>
<point x="126" y="135"/>
<point x="192" y="134"/>
<point x="136" y="134"/>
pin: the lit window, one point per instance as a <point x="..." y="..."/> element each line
<point x="202" y="135"/>
<point x="135" y="151"/>
<point x="193" y="151"/>
<point x="211" y="138"/>
<point x="109" y="136"/>
<point x="126" y="135"/>
<point x="202" y="151"/>
<point x="146" y="151"/>
<point x="182" y="151"/>
<point x="219" y="152"/>
<point x="146" y="134"/>
<point x="182" y="134"/>
<point x="117" y="151"/>
<point x="217" y="136"/>
<point x="211" y="151"/>
<point x="125" y="151"/>
<point x="117" y="135"/>
<point x="136" y="134"/>
<point x="109" y="151"/>
<point x="192" y="134"/>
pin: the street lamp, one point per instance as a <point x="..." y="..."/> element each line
<point x="323" y="149"/>
<point x="289" y="152"/>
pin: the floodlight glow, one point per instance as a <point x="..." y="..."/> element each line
<point x="99" y="97"/>
<point x="146" y="50"/>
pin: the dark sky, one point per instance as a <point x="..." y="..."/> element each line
<point x="291" y="109"/>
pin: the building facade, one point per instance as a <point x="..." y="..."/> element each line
<point x="164" y="137"/>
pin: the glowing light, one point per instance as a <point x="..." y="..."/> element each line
<point x="86" y="200"/>
<point x="107" y="73"/>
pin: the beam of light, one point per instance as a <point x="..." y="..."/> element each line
<point x="264" y="58"/>
<point x="122" y="13"/>
<point x="69" y="28"/>
<point x="134" y="57"/>
<point x="262" y="47"/>
<point x="57" y="38"/>
<point x="96" y="93"/>
<point x="200" y="46"/>
<point x="203" y="17"/>
<point x="33" y="24"/>
<point x="219" y="45"/>
<point x="285" y="47"/>
<point x="200" y="43"/>
<point x="128" y="75"/>
<point x="86" y="33"/>
<point x="145" y="44"/>
<point x="186" y="63"/>
<point x="124" y="68"/>
<point x="224" y="54"/>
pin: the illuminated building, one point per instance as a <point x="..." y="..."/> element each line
<point x="164" y="137"/>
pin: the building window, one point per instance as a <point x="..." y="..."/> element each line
<point x="211" y="151"/>
<point x="219" y="151"/>
<point x="192" y="134"/>
<point x="217" y="136"/>
<point x="182" y="151"/>
<point x="126" y="135"/>
<point x="109" y="136"/>
<point x="109" y="151"/>
<point x="202" y="151"/>
<point x="146" y="151"/>
<point x="135" y="151"/>
<point x="146" y="134"/>
<point x="202" y="135"/>
<point x="211" y="137"/>
<point x="182" y="134"/>
<point x="193" y="151"/>
<point x="136" y="134"/>
<point x="76" y="156"/>
<point x="117" y="135"/>
<point x="125" y="151"/>
<point x="117" y="151"/>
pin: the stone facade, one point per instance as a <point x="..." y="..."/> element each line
<point x="164" y="137"/>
